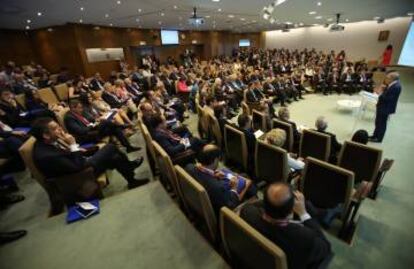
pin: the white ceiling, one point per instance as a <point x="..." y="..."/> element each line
<point x="174" y="13"/>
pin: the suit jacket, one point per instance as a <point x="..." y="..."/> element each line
<point x="96" y="84"/>
<point x="305" y="245"/>
<point x="112" y="100"/>
<point x="170" y="145"/>
<point x="335" y="145"/>
<point x="76" y="126"/>
<point x="54" y="162"/>
<point x="387" y="101"/>
<point x="218" y="193"/>
<point x="254" y="96"/>
<point x="12" y="115"/>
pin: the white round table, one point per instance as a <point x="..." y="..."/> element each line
<point x="348" y="105"/>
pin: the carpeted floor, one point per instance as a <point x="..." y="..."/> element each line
<point x="384" y="237"/>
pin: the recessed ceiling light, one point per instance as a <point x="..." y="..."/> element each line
<point x="231" y="16"/>
<point x="139" y="10"/>
<point x="216" y="0"/>
<point x="118" y="2"/>
<point x="28" y="21"/>
<point x="219" y="10"/>
<point x="137" y="19"/>
<point x="162" y="14"/>
<point x="312" y="12"/>
<point x="288" y="23"/>
<point x="27" y="27"/>
<point x="160" y="22"/>
<point x="50" y="29"/>
<point x="106" y="15"/>
<point x="318" y="17"/>
<point x="329" y="19"/>
<point x="242" y="19"/>
<point x="175" y="7"/>
<point x="319" y="3"/>
<point x="347" y="20"/>
<point x="110" y="24"/>
<point x="80" y="21"/>
<point x="82" y="8"/>
<point x="39" y="14"/>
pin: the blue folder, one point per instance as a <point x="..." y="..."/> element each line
<point x="22" y="129"/>
<point x="74" y="212"/>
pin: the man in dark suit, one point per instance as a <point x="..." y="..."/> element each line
<point x="214" y="181"/>
<point x="302" y="241"/>
<point x="97" y="83"/>
<point x="387" y="105"/>
<point x="88" y="129"/>
<point x="56" y="153"/>
<point x="321" y="125"/>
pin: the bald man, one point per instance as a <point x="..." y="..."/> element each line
<point x="302" y="241"/>
<point x="387" y="104"/>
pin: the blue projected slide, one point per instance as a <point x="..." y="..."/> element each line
<point x="244" y="43"/>
<point x="407" y="52"/>
<point x="169" y="37"/>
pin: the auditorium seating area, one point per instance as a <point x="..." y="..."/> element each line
<point x="201" y="156"/>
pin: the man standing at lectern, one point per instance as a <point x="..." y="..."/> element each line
<point x="387" y="104"/>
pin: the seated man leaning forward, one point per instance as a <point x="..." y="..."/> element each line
<point x="224" y="187"/>
<point x="302" y="240"/>
<point x="56" y="154"/>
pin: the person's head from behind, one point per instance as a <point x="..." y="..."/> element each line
<point x="109" y="87"/>
<point x="209" y="156"/>
<point x="360" y="136"/>
<point x="321" y="124"/>
<point x="278" y="200"/>
<point x="284" y="113"/>
<point x="6" y="95"/>
<point x="244" y="121"/>
<point x="146" y="107"/>
<point x="46" y="129"/>
<point x="76" y="106"/>
<point x="276" y="137"/>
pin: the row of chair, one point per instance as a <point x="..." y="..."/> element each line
<point x="59" y="93"/>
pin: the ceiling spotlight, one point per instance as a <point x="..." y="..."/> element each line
<point x="39" y="14"/>
<point x="272" y="20"/>
<point x="242" y="19"/>
<point x="318" y="17"/>
<point x="111" y="24"/>
<point x="231" y="16"/>
<point x="139" y="10"/>
<point x="312" y="12"/>
<point x="266" y="16"/>
<point x="175" y="7"/>
<point x="80" y="21"/>
<point x="28" y="21"/>
<point x="219" y="10"/>
<point x="49" y="29"/>
<point x="118" y="2"/>
<point x="82" y="8"/>
<point x="27" y="27"/>
<point x="160" y="22"/>
<point x="319" y="3"/>
<point x="347" y="20"/>
<point x="137" y="19"/>
<point x="216" y="0"/>
<point x="106" y="15"/>
<point x="162" y="14"/>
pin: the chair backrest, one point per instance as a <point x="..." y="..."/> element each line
<point x="21" y="100"/>
<point x="315" y="144"/>
<point x="197" y="200"/>
<point x="245" y="108"/>
<point x="47" y="96"/>
<point x="62" y="91"/>
<point x="166" y="167"/>
<point x="148" y="141"/>
<point x="271" y="163"/>
<point x="215" y="130"/>
<point x="259" y="120"/>
<point x="327" y="185"/>
<point x="26" y="152"/>
<point x="60" y="116"/>
<point x="247" y="247"/>
<point x="361" y="159"/>
<point x="287" y="127"/>
<point x="202" y="121"/>
<point x="235" y="146"/>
